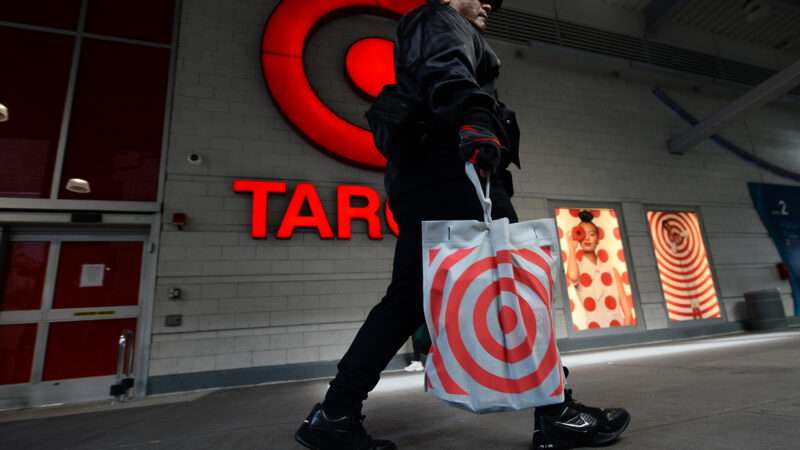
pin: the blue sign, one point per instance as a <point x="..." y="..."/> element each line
<point x="779" y="209"/>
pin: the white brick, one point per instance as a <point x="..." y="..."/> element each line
<point x="233" y="361"/>
<point x="301" y="355"/>
<point x="269" y="358"/>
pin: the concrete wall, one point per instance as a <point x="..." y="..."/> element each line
<point x="586" y="136"/>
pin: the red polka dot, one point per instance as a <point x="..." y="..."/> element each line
<point x="558" y="211"/>
<point x="571" y="305"/>
<point x="612" y="212"/>
<point x="615" y="323"/>
<point x="574" y="212"/>
<point x="616" y="233"/>
<point x="611" y="302"/>
<point x="560" y="233"/>
<point x="621" y="255"/>
<point x="606" y="278"/>
<point x="586" y="280"/>
<point x="593" y="325"/>
<point x="575" y="327"/>
<point x="596" y="212"/>
<point x="625" y="278"/>
<point x="600" y="233"/>
<point x="564" y="256"/>
<point x="589" y="304"/>
<point x="508" y="319"/>
<point x="579" y="256"/>
<point x="603" y="255"/>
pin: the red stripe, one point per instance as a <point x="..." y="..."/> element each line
<point x="448" y="383"/>
<point x="679" y="305"/>
<point x="666" y="274"/>
<point x="690" y="297"/>
<point x="704" y="311"/>
<point x="689" y="286"/>
<point x="710" y="298"/>
<point x="432" y="255"/>
<point x="560" y="389"/>
<point x="437" y="287"/>
<point x="533" y="257"/>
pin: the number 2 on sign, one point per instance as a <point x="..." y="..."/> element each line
<point x="783" y="210"/>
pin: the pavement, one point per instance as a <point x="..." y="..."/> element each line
<point x="734" y="392"/>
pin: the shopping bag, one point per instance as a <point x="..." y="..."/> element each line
<point x="488" y="294"/>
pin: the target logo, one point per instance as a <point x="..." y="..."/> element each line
<point x="683" y="266"/>
<point x="368" y="63"/>
<point x="490" y="318"/>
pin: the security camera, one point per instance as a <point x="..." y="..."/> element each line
<point x="194" y="159"/>
<point x="3" y="113"/>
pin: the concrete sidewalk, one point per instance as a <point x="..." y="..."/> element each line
<point x="736" y="392"/>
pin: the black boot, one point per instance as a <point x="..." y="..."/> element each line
<point x="572" y="424"/>
<point x="318" y="432"/>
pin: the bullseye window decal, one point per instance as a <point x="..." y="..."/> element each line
<point x="599" y="288"/>
<point x="283" y="44"/>
<point x="683" y="266"/>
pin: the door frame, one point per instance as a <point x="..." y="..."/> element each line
<point x="37" y="392"/>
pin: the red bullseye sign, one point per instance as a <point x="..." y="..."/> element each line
<point x="285" y="37"/>
<point x="370" y="66"/>
<point x="498" y="309"/>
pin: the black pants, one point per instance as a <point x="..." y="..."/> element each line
<point x="400" y="313"/>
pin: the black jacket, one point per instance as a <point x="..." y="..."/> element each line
<point x="447" y="65"/>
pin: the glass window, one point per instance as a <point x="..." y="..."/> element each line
<point x="33" y="86"/>
<point x="24" y="278"/>
<point x="17" y="343"/>
<point x="683" y="266"/>
<point x="98" y="274"/>
<point x="147" y="20"/>
<point x="598" y="284"/>
<point x="83" y="349"/>
<point x="48" y="13"/>
<point x="117" y="121"/>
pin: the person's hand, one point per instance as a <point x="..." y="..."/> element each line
<point x="480" y="147"/>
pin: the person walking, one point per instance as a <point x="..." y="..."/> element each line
<point x="448" y="70"/>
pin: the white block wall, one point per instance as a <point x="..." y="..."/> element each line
<point x="586" y="136"/>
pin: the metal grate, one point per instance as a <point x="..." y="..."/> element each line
<point x="521" y="28"/>
<point x="599" y="41"/>
<point x="682" y="59"/>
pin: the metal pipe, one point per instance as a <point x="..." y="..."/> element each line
<point x="125" y="353"/>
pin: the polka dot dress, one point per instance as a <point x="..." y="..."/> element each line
<point x="597" y="291"/>
<point x="595" y="300"/>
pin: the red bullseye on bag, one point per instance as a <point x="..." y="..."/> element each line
<point x="488" y="289"/>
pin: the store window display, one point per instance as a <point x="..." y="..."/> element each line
<point x="683" y="266"/>
<point x="598" y="285"/>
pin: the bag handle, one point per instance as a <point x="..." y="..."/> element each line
<point x="486" y="201"/>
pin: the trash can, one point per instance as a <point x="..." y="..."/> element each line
<point x="764" y="310"/>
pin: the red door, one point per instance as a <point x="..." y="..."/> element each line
<point x="65" y="303"/>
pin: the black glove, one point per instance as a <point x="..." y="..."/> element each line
<point x="481" y="147"/>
